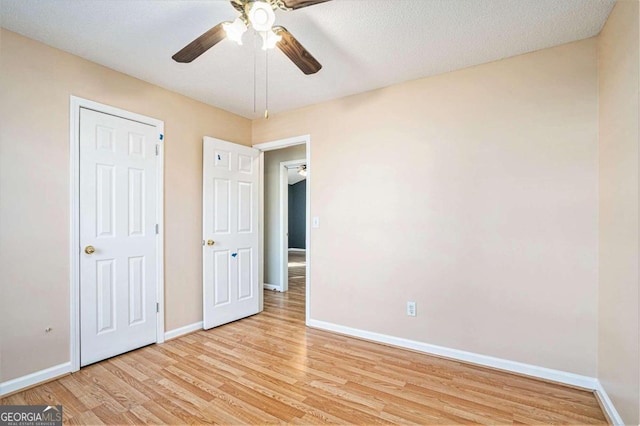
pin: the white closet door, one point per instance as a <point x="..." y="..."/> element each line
<point x="117" y="235"/>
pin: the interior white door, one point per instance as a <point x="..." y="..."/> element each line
<point x="230" y="232"/>
<point x="118" y="184"/>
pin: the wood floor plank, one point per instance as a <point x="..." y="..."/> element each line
<point x="165" y="413"/>
<point x="265" y="404"/>
<point x="271" y="369"/>
<point x="145" y="416"/>
<point x="344" y="410"/>
<point x="53" y="393"/>
<point x="86" y="418"/>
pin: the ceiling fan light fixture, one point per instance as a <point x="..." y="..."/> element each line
<point x="269" y="39"/>
<point x="261" y="16"/>
<point x="235" y="30"/>
<point x="302" y="170"/>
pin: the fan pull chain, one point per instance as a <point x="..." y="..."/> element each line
<point x="255" y="59"/>
<point x="266" y="85"/>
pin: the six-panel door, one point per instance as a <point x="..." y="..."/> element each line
<point x="230" y="232"/>
<point x="118" y="222"/>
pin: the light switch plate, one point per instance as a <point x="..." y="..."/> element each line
<point x="411" y="309"/>
<point x="315" y="223"/>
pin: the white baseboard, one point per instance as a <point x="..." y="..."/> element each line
<point x="32" y="379"/>
<point x="607" y="405"/>
<point x="298" y="249"/>
<point x="470" y="357"/>
<point x="271" y="287"/>
<point x="176" y="332"/>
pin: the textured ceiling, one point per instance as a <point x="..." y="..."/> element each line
<point x="362" y="44"/>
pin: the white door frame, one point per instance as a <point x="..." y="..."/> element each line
<point x="284" y="220"/>
<point x="270" y="146"/>
<point x="76" y="104"/>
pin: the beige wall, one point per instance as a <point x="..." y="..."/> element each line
<point x="618" y="338"/>
<point x="35" y="85"/>
<point x="473" y="193"/>
<point x="272" y="253"/>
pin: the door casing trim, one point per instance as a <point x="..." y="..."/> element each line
<point x="75" y="105"/>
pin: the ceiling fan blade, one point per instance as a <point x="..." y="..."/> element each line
<point x="200" y="45"/>
<point x="296" y="52"/>
<point x="299" y="4"/>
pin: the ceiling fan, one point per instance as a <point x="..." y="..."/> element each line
<point x="259" y="15"/>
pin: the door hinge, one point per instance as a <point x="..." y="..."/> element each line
<point x="157" y="149"/>
<point x="202" y="242"/>
<point x="157" y="307"/>
<point x="157" y="229"/>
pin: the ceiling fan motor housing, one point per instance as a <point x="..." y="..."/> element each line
<point x="261" y="15"/>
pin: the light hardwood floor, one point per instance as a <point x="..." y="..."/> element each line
<point x="270" y="368"/>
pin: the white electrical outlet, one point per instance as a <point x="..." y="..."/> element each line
<point x="411" y="309"/>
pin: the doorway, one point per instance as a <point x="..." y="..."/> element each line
<point x="276" y="273"/>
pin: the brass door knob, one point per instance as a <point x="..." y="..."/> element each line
<point x="210" y="242"/>
<point x="89" y="250"/>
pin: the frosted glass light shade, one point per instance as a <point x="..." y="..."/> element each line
<point x="269" y="39"/>
<point x="235" y="30"/>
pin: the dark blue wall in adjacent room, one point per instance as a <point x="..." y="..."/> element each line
<point x="297" y="214"/>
